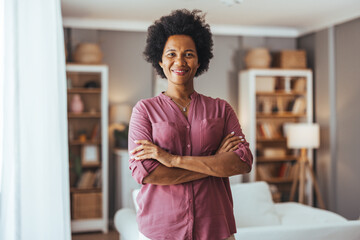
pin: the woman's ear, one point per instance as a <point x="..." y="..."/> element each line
<point x="161" y="64"/>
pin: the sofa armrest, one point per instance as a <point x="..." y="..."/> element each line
<point x="349" y="230"/>
<point x="125" y="224"/>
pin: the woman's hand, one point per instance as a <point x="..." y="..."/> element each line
<point x="148" y="150"/>
<point x="230" y="143"/>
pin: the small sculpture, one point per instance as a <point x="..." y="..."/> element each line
<point x="76" y="105"/>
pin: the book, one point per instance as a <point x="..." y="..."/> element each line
<point x="274" y="152"/>
<point x="299" y="105"/>
<point x="86" y="180"/>
<point x="95" y="132"/>
<point x="299" y="85"/>
<point x="269" y="130"/>
<point x="98" y="179"/>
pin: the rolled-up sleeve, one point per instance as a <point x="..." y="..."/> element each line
<point x="140" y="129"/>
<point x="232" y="125"/>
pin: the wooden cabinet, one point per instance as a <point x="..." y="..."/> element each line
<point x="87" y="91"/>
<point x="269" y="98"/>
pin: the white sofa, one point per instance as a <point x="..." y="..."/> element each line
<point x="258" y="217"/>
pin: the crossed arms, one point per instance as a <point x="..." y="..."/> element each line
<point x="176" y="169"/>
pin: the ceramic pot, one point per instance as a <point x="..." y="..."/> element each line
<point x="89" y="53"/>
<point x="258" y="58"/>
<point x="76" y="105"/>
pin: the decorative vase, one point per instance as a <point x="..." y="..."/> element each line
<point x="258" y="58"/>
<point x="76" y="105"/>
<point x="89" y="53"/>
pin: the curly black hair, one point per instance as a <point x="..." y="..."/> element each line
<point x="179" y="22"/>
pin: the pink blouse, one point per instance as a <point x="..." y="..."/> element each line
<point x="201" y="209"/>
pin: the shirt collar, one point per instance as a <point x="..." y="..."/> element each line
<point x="192" y="96"/>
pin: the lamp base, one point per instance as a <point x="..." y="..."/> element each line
<point x="302" y="165"/>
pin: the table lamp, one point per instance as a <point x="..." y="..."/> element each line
<point x="303" y="136"/>
<point x="119" y="121"/>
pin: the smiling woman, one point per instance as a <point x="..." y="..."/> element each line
<point x="184" y="145"/>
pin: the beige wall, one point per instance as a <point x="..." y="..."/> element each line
<point x="337" y="87"/>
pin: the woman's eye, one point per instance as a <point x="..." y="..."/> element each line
<point x="189" y="54"/>
<point x="171" y="54"/>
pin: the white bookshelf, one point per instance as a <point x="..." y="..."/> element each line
<point x="250" y="116"/>
<point x="98" y="98"/>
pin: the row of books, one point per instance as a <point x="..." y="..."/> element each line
<point x="298" y="106"/>
<point x="294" y="106"/>
<point x="268" y="130"/>
<point x="286" y="170"/>
<point x="90" y="179"/>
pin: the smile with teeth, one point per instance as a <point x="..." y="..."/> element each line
<point x="179" y="71"/>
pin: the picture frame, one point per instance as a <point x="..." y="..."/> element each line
<point x="90" y="155"/>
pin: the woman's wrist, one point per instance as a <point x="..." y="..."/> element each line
<point x="175" y="161"/>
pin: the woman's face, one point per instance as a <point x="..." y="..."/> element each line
<point x="180" y="60"/>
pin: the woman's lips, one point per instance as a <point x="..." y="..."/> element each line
<point x="180" y="72"/>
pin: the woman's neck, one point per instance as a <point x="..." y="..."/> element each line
<point x="179" y="92"/>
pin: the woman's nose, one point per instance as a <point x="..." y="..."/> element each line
<point x="180" y="61"/>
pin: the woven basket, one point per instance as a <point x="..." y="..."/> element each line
<point x="86" y="205"/>
<point x="291" y="59"/>
<point x="88" y="53"/>
<point x="258" y="58"/>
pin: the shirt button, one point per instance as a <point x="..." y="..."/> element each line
<point x="188" y="145"/>
<point x="187" y="127"/>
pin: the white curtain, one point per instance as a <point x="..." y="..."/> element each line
<point x="35" y="202"/>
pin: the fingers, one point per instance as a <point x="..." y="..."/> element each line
<point x="234" y="148"/>
<point x="232" y="144"/>
<point x="234" y="139"/>
<point x="137" y="149"/>
<point x="142" y="156"/>
<point x="141" y="146"/>
<point x="226" y="138"/>
<point x="143" y="142"/>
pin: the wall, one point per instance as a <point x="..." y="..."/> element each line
<point x="337" y="60"/>
<point x="347" y="72"/>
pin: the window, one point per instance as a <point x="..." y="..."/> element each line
<point x="1" y="82"/>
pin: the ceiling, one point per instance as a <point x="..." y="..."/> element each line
<point x="251" y="17"/>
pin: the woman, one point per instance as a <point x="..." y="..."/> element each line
<point x="184" y="145"/>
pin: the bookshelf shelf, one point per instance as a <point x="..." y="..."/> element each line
<point x="264" y="139"/>
<point x="84" y="115"/>
<point x="78" y="142"/>
<point x="279" y="115"/>
<point x="281" y="94"/>
<point x="270" y="98"/>
<point x="88" y="148"/>
<point x="85" y="190"/>
<point x="85" y="90"/>
<point x="276" y="159"/>
<point x="279" y="180"/>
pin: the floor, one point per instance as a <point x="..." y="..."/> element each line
<point x="111" y="235"/>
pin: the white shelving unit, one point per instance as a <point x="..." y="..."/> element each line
<point x="99" y="99"/>
<point x="250" y="116"/>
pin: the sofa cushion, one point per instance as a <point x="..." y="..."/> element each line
<point x="253" y="205"/>
<point x="135" y="192"/>
<point x="292" y="213"/>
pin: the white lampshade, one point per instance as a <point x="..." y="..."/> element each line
<point x="302" y="135"/>
<point x="120" y="113"/>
